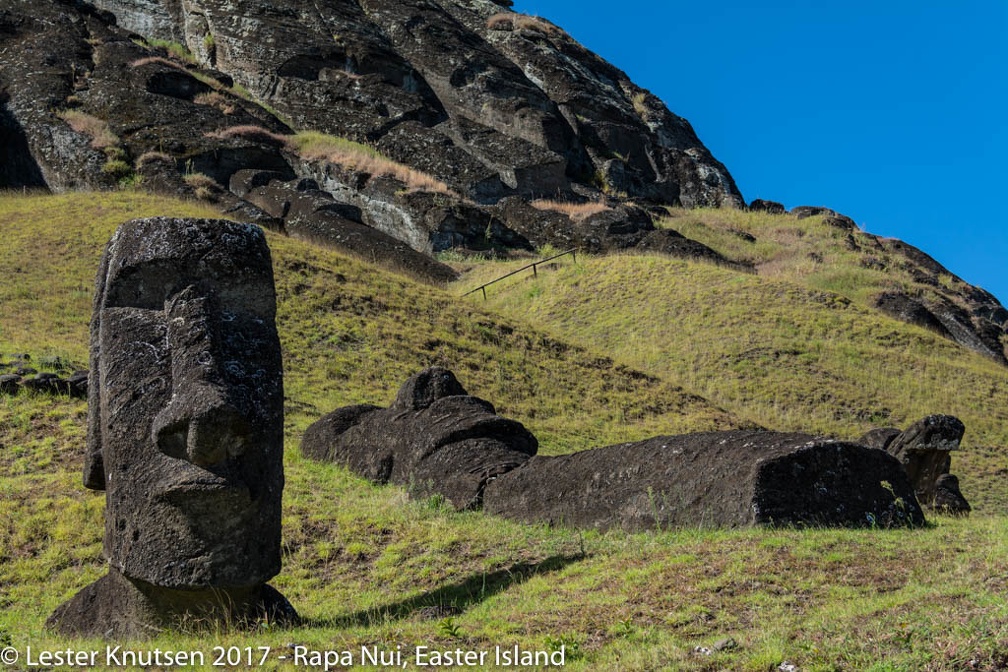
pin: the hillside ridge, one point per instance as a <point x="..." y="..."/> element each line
<point x="392" y="131"/>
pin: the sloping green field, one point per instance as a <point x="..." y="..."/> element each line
<point x="789" y="348"/>
<point x="367" y="567"/>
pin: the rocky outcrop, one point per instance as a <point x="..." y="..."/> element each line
<point x="498" y="111"/>
<point x="60" y="377"/>
<point x="490" y="107"/>
<point x="970" y="316"/>
<point x="468" y="115"/>
<point x="771" y="207"/>
<point x="439" y="441"/>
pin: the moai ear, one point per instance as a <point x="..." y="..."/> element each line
<point x="94" y="464"/>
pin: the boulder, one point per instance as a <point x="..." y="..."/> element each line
<point x="78" y="384"/>
<point x="47" y="383"/>
<point x="771" y="207"/>
<point x="906" y="309"/>
<point x="948" y="498"/>
<point x="10" y="383"/>
<point x="311" y="214"/>
<point x="804" y="211"/>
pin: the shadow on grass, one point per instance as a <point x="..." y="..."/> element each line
<point x="449" y="600"/>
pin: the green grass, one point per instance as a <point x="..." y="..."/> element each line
<point x="810" y="252"/>
<point x="365" y="566"/>
<point x="777" y="350"/>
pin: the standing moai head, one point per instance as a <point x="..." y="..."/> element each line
<point x="185" y="416"/>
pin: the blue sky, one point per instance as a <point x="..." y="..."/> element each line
<point x="892" y="112"/>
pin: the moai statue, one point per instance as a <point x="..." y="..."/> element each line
<point x="925" y="451"/>
<point x="185" y="432"/>
<point x="436" y="439"/>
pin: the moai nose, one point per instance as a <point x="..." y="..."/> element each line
<point x="201" y="430"/>
<point x="199" y="424"/>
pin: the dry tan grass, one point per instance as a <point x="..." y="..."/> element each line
<point x="250" y="132"/>
<point x="365" y="159"/>
<point x="156" y="60"/>
<point x="204" y="186"/>
<point x="152" y="157"/>
<point x="515" y="21"/>
<point x="501" y="21"/>
<point x="576" y="211"/>
<point x="218" y="100"/>
<point x="97" y="129"/>
<point x="342" y="152"/>
<point x="197" y="180"/>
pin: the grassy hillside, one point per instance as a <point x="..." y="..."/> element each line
<point x="792" y="347"/>
<point x="365" y="566"/>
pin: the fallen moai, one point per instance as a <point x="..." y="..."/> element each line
<point x="924" y="449"/>
<point x="185" y="432"/>
<point x="438" y="440"/>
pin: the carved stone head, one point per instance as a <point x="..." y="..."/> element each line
<point x="185" y="417"/>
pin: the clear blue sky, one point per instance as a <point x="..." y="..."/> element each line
<point x="890" y="111"/>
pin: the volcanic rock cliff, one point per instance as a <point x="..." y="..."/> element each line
<point x="392" y="130"/>
<point x="471" y="111"/>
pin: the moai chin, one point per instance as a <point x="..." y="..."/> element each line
<point x="185" y="431"/>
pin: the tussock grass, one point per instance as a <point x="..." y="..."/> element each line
<point x="102" y="136"/>
<point x="176" y="51"/>
<point x="315" y="146"/>
<point x="218" y="100"/>
<point x="356" y="156"/>
<point x="148" y="158"/>
<point x="577" y="212"/>
<point x="158" y="60"/>
<point x="365" y="566"/>
<point x="251" y="132"/>
<point x="514" y="21"/>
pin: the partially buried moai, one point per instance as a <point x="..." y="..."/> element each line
<point x="185" y="431"/>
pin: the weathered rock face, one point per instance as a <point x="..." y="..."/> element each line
<point x="185" y="428"/>
<point x="924" y="449"/>
<point x="972" y="317"/>
<point x="437" y="86"/>
<point x="506" y="97"/>
<point x="499" y="108"/>
<point x="438" y="440"/>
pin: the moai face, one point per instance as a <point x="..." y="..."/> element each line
<point x="185" y="425"/>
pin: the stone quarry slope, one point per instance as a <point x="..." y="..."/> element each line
<point x="389" y="130"/>
<point x="459" y="117"/>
